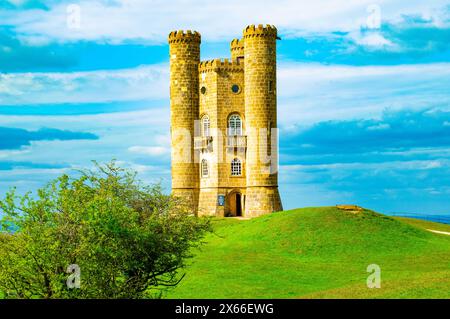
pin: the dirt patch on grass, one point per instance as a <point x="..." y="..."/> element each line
<point x="354" y="209"/>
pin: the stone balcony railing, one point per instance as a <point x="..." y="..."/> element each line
<point x="203" y="142"/>
<point x="236" y="141"/>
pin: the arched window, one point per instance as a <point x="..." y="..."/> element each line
<point x="205" y="125"/>
<point x="234" y="125"/>
<point x="236" y="167"/>
<point x="204" y="168"/>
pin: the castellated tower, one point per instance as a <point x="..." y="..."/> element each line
<point x="261" y="119"/>
<point x="184" y="60"/>
<point x="223" y="125"/>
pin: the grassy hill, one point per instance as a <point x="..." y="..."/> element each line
<point x="319" y="253"/>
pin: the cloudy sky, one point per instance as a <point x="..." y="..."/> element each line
<point x="364" y="102"/>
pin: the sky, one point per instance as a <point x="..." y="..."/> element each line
<point x="363" y="93"/>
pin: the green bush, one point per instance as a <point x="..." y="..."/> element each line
<point x="128" y="240"/>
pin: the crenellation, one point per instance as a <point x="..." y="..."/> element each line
<point x="217" y="65"/>
<point x="260" y="31"/>
<point x="182" y="36"/>
<point x="237" y="49"/>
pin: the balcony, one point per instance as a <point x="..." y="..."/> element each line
<point x="236" y="141"/>
<point x="203" y="142"/>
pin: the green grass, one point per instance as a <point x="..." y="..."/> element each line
<point x="425" y="224"/>
<point x="319" y="253"/>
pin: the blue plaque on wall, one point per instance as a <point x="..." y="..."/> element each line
<point x="221" y="200"/>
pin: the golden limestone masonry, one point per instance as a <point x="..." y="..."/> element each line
<point x="224" y="125"/>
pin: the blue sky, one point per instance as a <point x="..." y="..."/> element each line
<point x="364" y="108"/>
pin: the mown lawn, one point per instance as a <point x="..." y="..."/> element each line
<point x="319" y="253"/>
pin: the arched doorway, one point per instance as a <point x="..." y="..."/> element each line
<point x="235" y="203"/>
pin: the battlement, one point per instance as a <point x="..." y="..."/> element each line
<point x="184" y="36"/>
<point x="260" y="31"/>
<point x="220" y="65"/>
<point x="237" y="44"/>
<point x="237" y="49"/>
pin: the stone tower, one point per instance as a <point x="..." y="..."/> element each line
<point x="184" y="61"/>
<point x="223" y="125"/>
<point x="261" y="118"/>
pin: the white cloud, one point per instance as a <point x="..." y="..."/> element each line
<point x="150" y="150"/>
<point x="140" y="83"/>
<point x="16" y="2"/>
<point x="311" y="71"/>
<point x="8" y="154"/>
<point x="375" y="40"/>
<point x="352" y="167"/>
<point x="117" y="131"/>
<point x="153" y="20"/>
<point x="104" y="124"/>
<point x="309" y="93"/>
<point x="379" y="127"/>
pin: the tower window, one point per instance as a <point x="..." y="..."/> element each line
<point x="270" y="86"/>
<point x="234" y="125"/>
<point x="203" y="90"/>
<point x="205" y="126"/>
<point x="235" y="89"/>
<point x="204" y="168"/>
<point x="236" y="167"/>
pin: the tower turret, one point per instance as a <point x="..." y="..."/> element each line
<point x="184" y="101"/>
<point x="261" y="118"/>
<point x="237" y="49"/>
